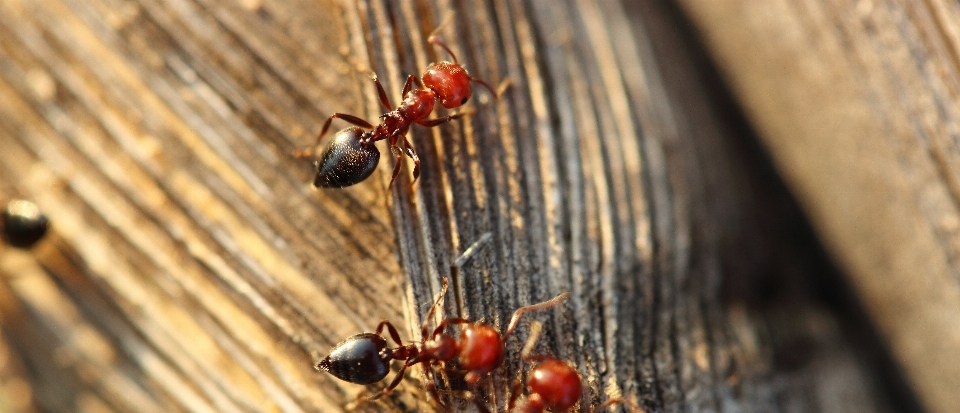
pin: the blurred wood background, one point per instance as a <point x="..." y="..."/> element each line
<point x="191" y="267"/>
<point x="859" y="104"/>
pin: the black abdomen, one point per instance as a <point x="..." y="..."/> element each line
<point x="358" y="359"/>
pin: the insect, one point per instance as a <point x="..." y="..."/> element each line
<point x="365" y="358"/>
<point x="552" y="384"/>
<point x="23" y="224"/>
<point x="352" y="156"/>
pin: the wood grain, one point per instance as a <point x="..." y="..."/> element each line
<point x="857" y="101"/>
<point x="192" y="268"/>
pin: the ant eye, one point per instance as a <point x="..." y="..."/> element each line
<point x="464" y="101"/>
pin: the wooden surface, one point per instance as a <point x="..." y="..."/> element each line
<point x="858" y="102"/>
<point x="191" y="267"/>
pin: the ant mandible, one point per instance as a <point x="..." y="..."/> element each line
<point x="352" y="156"/>
<point x="553" y="384"/>
<point x="365" y="358"/>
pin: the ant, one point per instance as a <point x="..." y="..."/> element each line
<point x="365" y="358"/>
<point x="553" y="384"/>
<point x="352" y="156"/>
<point x="23" y="223"/>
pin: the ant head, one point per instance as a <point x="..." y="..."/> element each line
<point x="556" y="383"/>
<point x="347" y="160"/>
<point x="450" y="82"/>
<point x="480" y="351"/>
<point x="359" y="359"/>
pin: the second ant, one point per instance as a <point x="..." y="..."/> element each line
<point x="365" y="358"/>
<point x="352" y="156"/>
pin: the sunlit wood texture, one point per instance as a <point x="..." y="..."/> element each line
<point x="859" y="101"/>
<point x="191" y="268"/>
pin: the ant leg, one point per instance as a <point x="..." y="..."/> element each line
<point x="440" y="121"/>
<point x="515" y="319"/>
<point x="409" y="85"/>
<point x="465" y="394"/>
<point x="394" y="383"/>
<point x="433" y="309"/>
<point x="535" y="328"/>
<point x="434" y="37"/>
<point x="391" y="329"/>
<point x="413" y="155"/>
<point x="398" y="158"/>
<point x="514" y="393"/>
<point x="353" y="120"/>
<point x="432" y="386"/>
<point x="384" y="99"/>
<point x="399" y="147"/>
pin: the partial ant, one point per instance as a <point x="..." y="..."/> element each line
<point x="365" y="358"/>
<point x="553" y="384"/>
<point x="23" y="223"/>
<point x="352" y="156"/>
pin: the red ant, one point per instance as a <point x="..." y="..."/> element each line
<point x="365" y="358"/>
<point x="553" y="384"/>
<point x="352" y="156"/>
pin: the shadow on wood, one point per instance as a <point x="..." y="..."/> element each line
<point x="191" y="267"/>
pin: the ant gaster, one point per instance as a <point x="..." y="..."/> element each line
<point x="23" y="223"/>
<point x="552" y="384"/>
<point x="352" y="156"/>
<point x="365" y="358"/>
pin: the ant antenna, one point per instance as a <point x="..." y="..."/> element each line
<point x="536" y="328"/>
<point x="539" y="306"/>
<point x="495" y="93"/>
<point x="433" y="308"/>
<point x="434" y="37"/>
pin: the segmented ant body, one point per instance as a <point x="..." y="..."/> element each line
<point x="552" y="384"/>
<point x="23" y="224"/>
<point x="365" y="358"/>
<point x="352" y="156"/>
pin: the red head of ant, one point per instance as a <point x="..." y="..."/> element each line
<point x="352" y="156"/>
<point x="552" y="384"/>
<point x="365" y="358"/>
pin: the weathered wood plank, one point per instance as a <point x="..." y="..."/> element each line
<point x="857" y="102"/>
<point x="192" y="268"/>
